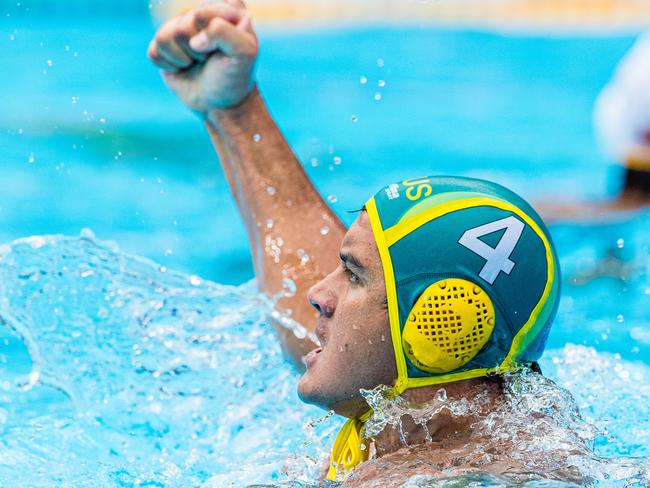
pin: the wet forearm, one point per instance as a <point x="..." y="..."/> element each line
<point x="292" y="231"/>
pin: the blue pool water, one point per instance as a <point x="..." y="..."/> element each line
<point x="123" y="372"/>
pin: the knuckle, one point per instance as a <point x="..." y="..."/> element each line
<point x="179" y="30"/>
<point x="203" y="15"/>
<point x="187" y="22"/>
<point x="217" y="26"/>
<point x="163" y="37"/>
<point x="152" y="51"/>
<point x="164" y="34"/>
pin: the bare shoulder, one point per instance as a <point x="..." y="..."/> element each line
<point x="439" y="461"/>
<point x="396" y="468"/>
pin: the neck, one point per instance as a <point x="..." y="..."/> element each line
<point x="444" y="427"/>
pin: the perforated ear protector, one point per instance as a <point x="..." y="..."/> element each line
<point x="448" y="325"/>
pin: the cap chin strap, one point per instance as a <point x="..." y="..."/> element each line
<point x="350" y="448"/>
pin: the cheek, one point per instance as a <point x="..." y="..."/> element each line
<point x="362" y="324"/>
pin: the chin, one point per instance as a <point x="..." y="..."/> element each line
<point x="310" y="392"/>
<point x="313" y="394"/>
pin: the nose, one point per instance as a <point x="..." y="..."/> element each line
<point x="322" y="297"/>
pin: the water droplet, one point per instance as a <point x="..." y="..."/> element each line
<point x="332" y="198"/>
<point x="380" y="62"/>
<point x="31" y="159"/>
<point x="619" y="318"/>
<point x="381" y="83"/>
<point x="269" y="223"/>
<point x="50" y="63"/>
<point x="66" y="47"/>
<point x="324" y="230"/>
<point x="383" y="338"/>
<point x="257" y="137"/>
<point x="102" y="120"/>
<point x="441" y="395"/>
<point x="354" y="118"/>
<point x="270" y="190"/>
<point x="337" y="160"/>
<point x="304" y="257"/>
<point x="195" y="280"/>
<point x="21" y="131"/>
<point x="12" y="37"/>
<point x="289" y="286"/>
<point x="87" y="233"/>
<point x="377" y="96"/>
<point x="168" y="252"/>
<point x="75" y="100"/>
<point x="314" y="162"/>
<point x="363" y="80"/>
<point x="620" y="243"/>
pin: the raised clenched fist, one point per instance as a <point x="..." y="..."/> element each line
<point x="208" y="55"/>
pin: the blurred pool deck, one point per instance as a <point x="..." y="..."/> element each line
<point x="542" y="15"/>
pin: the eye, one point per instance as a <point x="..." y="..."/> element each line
<point x="351" y="276"/>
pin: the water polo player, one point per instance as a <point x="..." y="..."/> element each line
<point x="439" y="281"/>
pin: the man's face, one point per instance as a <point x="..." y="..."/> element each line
<point x="356" y="348"/>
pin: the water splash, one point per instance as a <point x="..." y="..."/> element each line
<point x="538" y="426"/>
<point x="139" y="375"/>
<point x="142" y="376"/>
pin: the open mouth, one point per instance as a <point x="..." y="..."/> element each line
<point x="310" y="358"/>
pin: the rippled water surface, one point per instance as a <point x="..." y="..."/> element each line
<point x="141" y="375"/>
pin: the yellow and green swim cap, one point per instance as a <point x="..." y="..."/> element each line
<point x="472" y="283"/>
<point x="472" y="278"/>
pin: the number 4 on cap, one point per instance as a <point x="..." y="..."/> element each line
<point x="497" y="258"/>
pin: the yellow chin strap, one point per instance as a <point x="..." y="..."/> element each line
<point x="350" y="448"/>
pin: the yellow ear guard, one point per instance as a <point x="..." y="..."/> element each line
<point x="448" y="325"/>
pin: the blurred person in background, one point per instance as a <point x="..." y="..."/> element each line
<point x="622" y="122"/>
<point x="622" y="119"/>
